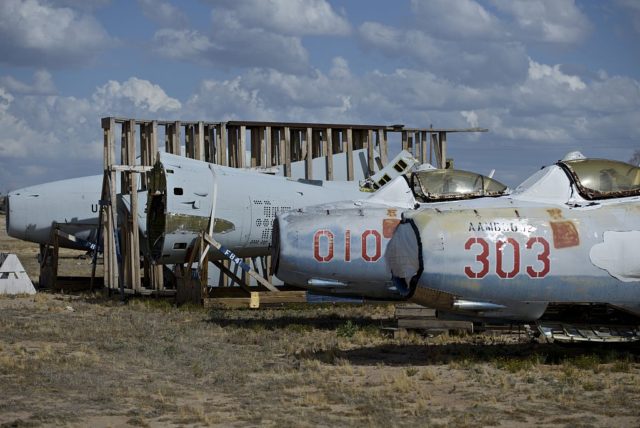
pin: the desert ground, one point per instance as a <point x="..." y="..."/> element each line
<point x="89" y="360"/>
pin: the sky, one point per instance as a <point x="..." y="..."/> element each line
<point x="546" y="77"/>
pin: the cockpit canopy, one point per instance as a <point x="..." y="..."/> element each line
<point x="450" y="184"/>
<point x="602" y="178"/>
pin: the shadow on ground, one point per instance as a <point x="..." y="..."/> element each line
<point x="467" y="353"/>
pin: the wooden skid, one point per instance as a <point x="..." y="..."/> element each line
<point x="264" y="298"/>
<point x="435" y="324"/>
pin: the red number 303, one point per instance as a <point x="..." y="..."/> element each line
<point x="483" y="252"/>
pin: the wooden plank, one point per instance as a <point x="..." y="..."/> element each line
<point x="405" y="140"/>
<point x="199" y="141"/>
<point x="424" y="146"/>
<point x="265" y="298"/>
<point x="328" y="146"/>
<point x="222" y="144"/>
<point x="382" y="146"/>
<point x="255" y="147"/>
<point x="431" y="324"/>
<point x="242" y="147"/>
<point x="443" y="148"/>
<point x="370" y="154"/>
<point x="432" y="146"/>
<point x="188" y="141"/>
<point x="232" y="133"/>
<point x="287" y="151"/>
<point x="267" y="140"/>
<point x="308" y="162"/>
<point x="349" y="150"/>
<point x="132" y="220"/>
<point x="414" y="312"/>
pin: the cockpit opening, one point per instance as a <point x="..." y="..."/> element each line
<point x="451" y="184"/>
<point x="602" y="178"/>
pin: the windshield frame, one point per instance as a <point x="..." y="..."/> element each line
<point x="426" y="197"/>
<point x="595" y="194"/>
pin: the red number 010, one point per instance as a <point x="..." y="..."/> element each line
<point x="482" y="257"/>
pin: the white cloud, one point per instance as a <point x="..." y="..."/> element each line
<point x="553" y="74"/>
<point x="552" y="21"/>
<point x="231" y="45"/>
<point x="471" y="117"/>
<point x="184" y="44"/>
<point x="254" y="33"/>
<point x="164" y="13"/>
<point x="457" y="19"/>
<point x="116" y="97"/>
<point x="48" y="137"/>
<point x="42" y="84"/>
<point x="35" y="33"/>
<point x="474" y="63"/>
<point x="290" y="17"/>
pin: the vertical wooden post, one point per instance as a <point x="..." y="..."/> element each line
<point x="172" y="137"/>
<point x="232" y="133"/>
<point x="349" y="150"/>
<point x="382" y="146"/>
<point x="198" y="141"/>
<point x="423" y="147"/>
<point x="268" y="149"/>
<point x="109" y="215"/>
<point x="328" y="146"/>
<point x="370" y="154"/>
<point x="189" y="146"/>
<point x="308" y="164"/>
<point x="443" y="148"/>
<point x="222" y="144"/>
<point x="287" y="151"/>
<point x="209" y="144"/>
<point x="242" y="146"/>
<point x="130" y="187"/>
<point x="433" y="145"/>
<point x="255" y="147"/>
<point x="405" y="141"/>
<point x="410" y="145"/>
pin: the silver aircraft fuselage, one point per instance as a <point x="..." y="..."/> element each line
<point x="553" y="240"/>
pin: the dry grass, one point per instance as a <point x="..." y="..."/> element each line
<point x="149" y="363"/>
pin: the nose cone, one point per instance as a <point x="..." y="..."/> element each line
<point x="20" y="207"/>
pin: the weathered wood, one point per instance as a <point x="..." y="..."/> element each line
<point x="382" y="146"/>
<point x="242" y="147"/>
<point x="432" y="147"/>
<point x="414" y="311"/>
<point x="328" y="145"/>
<point x="287" y="152"/>
<point x="222" y="142"/>
<point x="370" y="153"/>
<point x="405" y="140"/>
<point x="435" y="324"/>
<point x="198" y="142"/>
<point x="424" y="145"/>
<point x="265" y="144"/>
<point x="349" y="150"/>
<point x="442" y="136"/>
<point x="255" y="147"/>
<point x="265" y="298"/>
<point x="308" y="162"/>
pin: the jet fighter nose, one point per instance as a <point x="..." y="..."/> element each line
<point x="19" y="206"/>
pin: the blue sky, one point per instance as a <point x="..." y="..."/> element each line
<point x="545" y="76"/>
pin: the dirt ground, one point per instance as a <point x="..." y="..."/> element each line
<point x="87" y="360"/>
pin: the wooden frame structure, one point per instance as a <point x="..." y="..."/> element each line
<point x="225" y="143"/>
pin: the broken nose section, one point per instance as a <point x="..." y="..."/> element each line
<point x="179" y="206"/>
